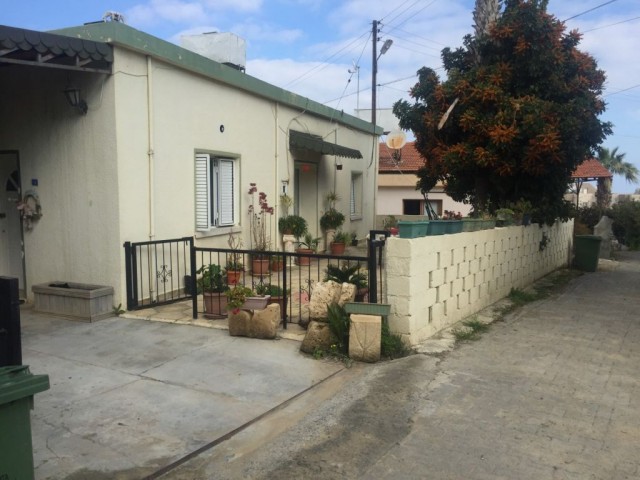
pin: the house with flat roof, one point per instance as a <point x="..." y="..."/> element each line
<point x="112" y="135"/>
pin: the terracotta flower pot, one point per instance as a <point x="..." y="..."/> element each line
<point x="337" y="248"/>
<point x="233" y="276"/>
<point x="304" y="260"/>
<point x="215" y="304"/>
<point x="260" y="266"/>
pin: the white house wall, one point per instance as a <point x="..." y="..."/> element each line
<point x="393" y="189"/>
<point x="187" y="111"/>
<point x="73" y="159"/>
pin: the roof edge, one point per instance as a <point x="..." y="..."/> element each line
<point x="122" y="35"/>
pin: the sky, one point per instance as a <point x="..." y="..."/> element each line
<point x="322" y="49"/>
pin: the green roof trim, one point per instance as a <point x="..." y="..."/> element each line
<point x="119" y="34"/>
<point x="315" y="143"/>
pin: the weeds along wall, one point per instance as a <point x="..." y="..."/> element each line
<point x="436" y="281"/>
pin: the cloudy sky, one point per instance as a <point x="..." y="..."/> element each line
<point x="322" y="48"/>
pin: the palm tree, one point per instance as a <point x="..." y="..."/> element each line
<point x="485" y="14"/>
<point x="614" y="162"/>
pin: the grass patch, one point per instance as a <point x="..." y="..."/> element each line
<point x="470" y="330"/>
<point x="392" y="344"/>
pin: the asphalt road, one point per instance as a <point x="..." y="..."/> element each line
<point x="551" y="392"/>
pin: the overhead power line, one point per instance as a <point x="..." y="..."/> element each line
<point x="611" y="24"/>
<point x="590" y="10"/>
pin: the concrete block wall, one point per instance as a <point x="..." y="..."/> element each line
<point x="433" y="282"/>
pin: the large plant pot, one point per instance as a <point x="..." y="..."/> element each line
<point x="233" y="276"/>
<point x="277" y="264"/>
<point x="260" y="266"/>
<point x="304" y="260"/>
<point x="215" y="304"/>
<point x="338" y="248"/>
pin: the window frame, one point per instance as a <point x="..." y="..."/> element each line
<point x="216" y="191"/>
<point x="356" y="193"/>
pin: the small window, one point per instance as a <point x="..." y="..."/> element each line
<point x="216" y="179"/>
<point x="355" y="200"/>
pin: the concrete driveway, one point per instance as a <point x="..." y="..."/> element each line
<point x="129" y="397"/>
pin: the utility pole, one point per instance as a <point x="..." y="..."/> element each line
<point x="374" y="70"/>
<point x="374" y="66"/>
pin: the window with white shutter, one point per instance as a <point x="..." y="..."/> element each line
<point x="215" y="188"/>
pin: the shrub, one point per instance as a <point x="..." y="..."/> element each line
<point x="626" y="223"/>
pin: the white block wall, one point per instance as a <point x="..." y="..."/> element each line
<point x="433" y="282"/>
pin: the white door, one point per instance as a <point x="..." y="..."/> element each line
<point x="11" y="252"/>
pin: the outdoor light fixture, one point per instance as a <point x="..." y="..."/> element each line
<point x="338" y="165"/>
<point x="73" y="97"/>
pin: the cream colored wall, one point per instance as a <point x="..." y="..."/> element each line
<point x="72" y="157"/>
<point x="188" y="111"/>
<point x="436" y="281"/>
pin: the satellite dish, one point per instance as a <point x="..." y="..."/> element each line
<point x="396" y="140"/>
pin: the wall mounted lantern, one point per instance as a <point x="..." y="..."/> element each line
<point x="73" y="97"/>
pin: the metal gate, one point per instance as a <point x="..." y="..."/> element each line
<point x="166" y="271"/>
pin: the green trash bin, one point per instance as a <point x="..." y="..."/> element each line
<point x="17" y="388"/>
<point x="587" y="251"/>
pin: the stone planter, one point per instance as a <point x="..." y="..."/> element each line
<point x="81" y="301"/>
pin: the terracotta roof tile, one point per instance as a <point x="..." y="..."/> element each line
<point x="591" y="168"/>
<point x="410" y="161"/>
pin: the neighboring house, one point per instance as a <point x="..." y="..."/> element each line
<point x="586" y="196"/>
<point x="165" y="147"/>
<point x="588" y="171"/>
<point x="397" y="194"/>
<point x="625" y="197"/>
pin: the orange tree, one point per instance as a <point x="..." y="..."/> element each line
<point x="525" y="113"/>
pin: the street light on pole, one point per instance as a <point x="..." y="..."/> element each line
<point x="374" y="67"/>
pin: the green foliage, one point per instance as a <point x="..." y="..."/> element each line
<point x="589" y="215"/>
<point x="527" y="113"/>
<point x="270" y="289"/>
<point x="292" y="224"/>
<point x="470" y="330"/>
<point x="392" y="345"/>
<point x="236" y="297"/>
<point x="211" y="279"/>
<point x="331" y="219"/>
<point x="347" y="273"/>
<point x="309" y="242"/>
<point x="614" y="162"/>
<point x="341" y="237"/>
<point x="339" y="322"/>
<point x="626" y="223"/>
<point x="117" y="311"/>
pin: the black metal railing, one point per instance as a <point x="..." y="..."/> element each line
<point x="154" y="270"/>
<point x="158" y="272"/>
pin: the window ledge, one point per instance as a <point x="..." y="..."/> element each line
<point x="355" y="217"/>
<point x="218" y="231"/>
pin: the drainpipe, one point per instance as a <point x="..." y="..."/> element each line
<point x="150" y="159"/>
<point x="150" y="151"/>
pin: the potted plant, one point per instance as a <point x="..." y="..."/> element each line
<point x="277" y="262"/>
<point x="308" y="245"/>
<point x="260" y="215"/>
<point x="354" y="239"/>
<point x="339" y="242"/>
<point x="241" y="297"/>
<point x="390" y="224"/>
<point x="292" y="225"/>
<point x="234" y="266"/>
<point x="276" y="294"/>
<point x="212" y="286"/>
<point x="348" y="273"/>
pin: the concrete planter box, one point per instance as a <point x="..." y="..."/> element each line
<point x="79" y="301"/>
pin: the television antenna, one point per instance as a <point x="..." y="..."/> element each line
<point x="356" y="69"/>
